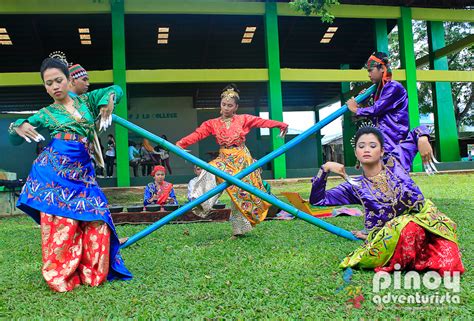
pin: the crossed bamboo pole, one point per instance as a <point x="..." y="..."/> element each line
<point x="236" y="180"/>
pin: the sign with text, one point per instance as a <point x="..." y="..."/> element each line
<point x="174" y="117"/>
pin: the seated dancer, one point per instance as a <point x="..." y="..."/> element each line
<point x="402" y="227"/>
<point x="78" y="238"/>
<point x="197" y="172"/>
<point x="389" y="104"/>
<point x="159" y="192"/>
<point x="230" y="130"/>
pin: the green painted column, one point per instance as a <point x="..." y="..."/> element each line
<point x="120" y="79"/>
<point x="319" y="145"/>
<point x="275" y="100"/>
<point x="381" y="35"/>
<point x="447" y="143"/>
<point x="407" y="59"/>
<point x="349" y="128"/>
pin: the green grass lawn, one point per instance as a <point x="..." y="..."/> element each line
<point x="282" y="269"/>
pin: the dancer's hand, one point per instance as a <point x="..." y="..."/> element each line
<point x="426" y="152"/>
<point x="28" y="132"/>
<point x="283" y="131"/>
<point x="336" y="168"/>
<point x="153" y="198"/>
<point x="352" y="105"/>
<point x="106" y="113"/>
<point x="425" y="149"/>
<point x="186" y="150"/>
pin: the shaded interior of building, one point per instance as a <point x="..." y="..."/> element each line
<point x="195" y="42"/>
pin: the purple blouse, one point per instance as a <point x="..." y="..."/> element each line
<point x="390" y="193"/>
<point x="390" y="114"/>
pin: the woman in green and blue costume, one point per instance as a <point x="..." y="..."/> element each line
<point x="79" y="241"/>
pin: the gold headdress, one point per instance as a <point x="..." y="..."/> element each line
<point x="230" y="93"/>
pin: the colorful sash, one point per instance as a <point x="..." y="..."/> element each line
<point x="163" y="192"/>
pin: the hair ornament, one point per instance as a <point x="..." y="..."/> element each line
<point x="363" y="124"/>
<point x="59" y="55"/>
<point x="230" y="93"/>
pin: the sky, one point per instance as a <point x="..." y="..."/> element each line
<point x="301" y="121"/>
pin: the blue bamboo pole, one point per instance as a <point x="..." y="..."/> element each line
<point x="235" y="180"/>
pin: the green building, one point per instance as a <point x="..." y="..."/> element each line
<point x="173" y="57"/>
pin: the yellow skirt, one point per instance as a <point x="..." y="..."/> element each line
<point x="232" y="161"/>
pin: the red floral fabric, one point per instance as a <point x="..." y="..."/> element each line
<point x="74" y="252"/>
<point x="420" y="250"/>
<point x="163" y="192"/>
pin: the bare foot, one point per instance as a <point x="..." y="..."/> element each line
<point x="359" y="235"/>
<point x="123" y="240"/>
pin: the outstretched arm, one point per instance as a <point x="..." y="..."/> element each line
<point x="342" y="194"/>
<point x="200" y="133"/>
<point x="26" y="129"/>
<point x="257" y="122"/>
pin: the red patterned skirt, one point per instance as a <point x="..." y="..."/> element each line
<point x="74" y="252"/>
<point x="420" y="250"/>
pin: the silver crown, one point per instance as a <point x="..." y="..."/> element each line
<point x="363" y="124"/>
<point x="61" y="56"/>
<point x="366" y="123"/>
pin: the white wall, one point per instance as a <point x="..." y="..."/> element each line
<point x="173" y="116"/>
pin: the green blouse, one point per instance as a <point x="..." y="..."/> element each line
<point x="56" y="119"/>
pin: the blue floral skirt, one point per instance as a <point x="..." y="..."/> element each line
<point x="62" y="182"/>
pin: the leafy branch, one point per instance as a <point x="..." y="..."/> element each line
<point x="318" y="7"/>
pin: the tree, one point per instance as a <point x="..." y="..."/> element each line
<point x="463" y="93"/>
<point x="317" y="7"/>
